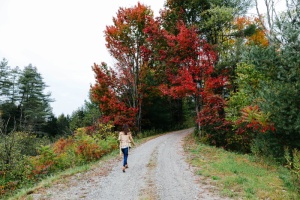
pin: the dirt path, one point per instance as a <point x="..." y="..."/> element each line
<point x="157" y="170"/>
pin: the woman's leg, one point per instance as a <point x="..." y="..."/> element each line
<point x="125" y="153"/>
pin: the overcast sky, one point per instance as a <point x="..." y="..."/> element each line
<point x="62" y="38"/>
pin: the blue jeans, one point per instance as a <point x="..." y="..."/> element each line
<point x="125" y="153"/>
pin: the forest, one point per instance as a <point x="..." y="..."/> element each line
<point x="203" y="64"/>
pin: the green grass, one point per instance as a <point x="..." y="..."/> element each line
<point x="239" y="176"/>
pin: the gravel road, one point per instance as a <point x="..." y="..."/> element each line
<point x="157" y="170"/>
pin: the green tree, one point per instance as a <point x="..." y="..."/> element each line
<point x="4" y="80"/>
<point x="8" y="94"/>
<point x="280" y="92"/>
<point x="87" y="115"/>
<point x="249" y="82"/>
<point x="33" y="102"/>
<point x="211" y="17"/>
<point x="50" y="126"/>
<point x="8" y="82"/>
<point x="63" y="125"/>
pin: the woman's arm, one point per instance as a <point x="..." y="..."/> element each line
<point x="131" y="139"/>
<point x="119" y="138"/>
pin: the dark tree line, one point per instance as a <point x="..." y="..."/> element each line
<point x="24" y="104"/>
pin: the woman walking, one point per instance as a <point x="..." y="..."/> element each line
<point x="125" y="139"/>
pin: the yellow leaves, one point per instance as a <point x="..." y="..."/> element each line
<point x="254" y="114"/>
<point x="241" y="22"/>
<point x="250" y="113"/>
<point x="259" y="36"/>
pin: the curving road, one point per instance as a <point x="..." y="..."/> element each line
<point x="157" y="170"/>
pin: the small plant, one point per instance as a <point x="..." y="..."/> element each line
<point x="45" y="162"/>
<point x="293" y="164"/>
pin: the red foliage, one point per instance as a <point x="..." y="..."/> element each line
<point x="43" y="168"/>
<point x="106" y="92"/>
<point x="60" y="145"/>
<point x="90" y="130"/>
<point x="189" y="61"/>
<point x="189" y="70"/>
<point x="254" y="121"/>
<point x="212" y="119"/>
<point x="122" y="101"/>
<point x="89" y="151"/>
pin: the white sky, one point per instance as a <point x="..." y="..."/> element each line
<point x="62" y="38"/>
<point x="280" y="5"/>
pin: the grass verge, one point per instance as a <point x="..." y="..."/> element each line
<point x="239" y="176"/>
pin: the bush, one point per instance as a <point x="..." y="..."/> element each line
<point x="17" y="170"/>
<point x="293" y="164"/>
<point x="267" y="145"/>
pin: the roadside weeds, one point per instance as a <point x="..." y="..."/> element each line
<point x="102" y="167"/>
<point x="238" y="176"/>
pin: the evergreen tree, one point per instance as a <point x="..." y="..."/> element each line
<point x="87" y="115"/>
<point x="4" y="80"/>
<point x="63" y="125"/>
<point x="8" y="94"/>
<point x="280" y="90"/>
<point x="33" y="105"/>
<point x="51" y="126"/>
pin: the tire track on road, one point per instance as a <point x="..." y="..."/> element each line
<point x="150" y="190"/>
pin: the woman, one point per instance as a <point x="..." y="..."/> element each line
<point x="125" y="139"/>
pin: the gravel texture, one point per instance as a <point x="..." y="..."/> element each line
<point x="157" y="170"/>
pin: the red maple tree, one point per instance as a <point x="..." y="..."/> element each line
<point x="107" y="92"/>
<point x="125" y="40"/>
<point x="188" y="62"/>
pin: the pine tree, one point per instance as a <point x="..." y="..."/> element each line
<point x="280" y="90"/>
<point x="34" y="104"/>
